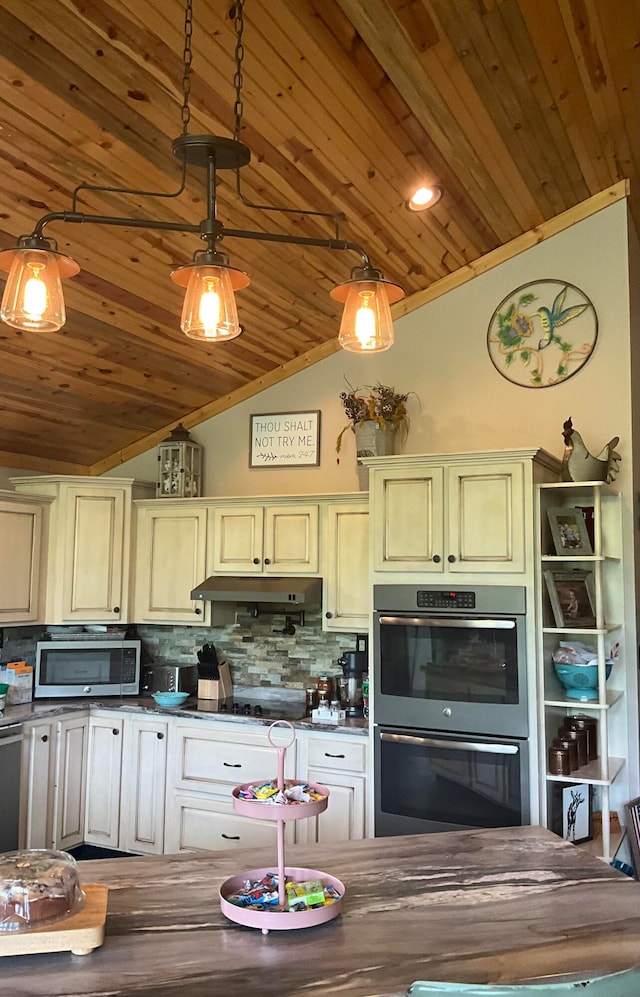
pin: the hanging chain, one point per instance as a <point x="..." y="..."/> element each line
<point x="237" y="79"/>
<point x="186" y="55"/>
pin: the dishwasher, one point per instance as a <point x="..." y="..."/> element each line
<point x="10" y="755"/>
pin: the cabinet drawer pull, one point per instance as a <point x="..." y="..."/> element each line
<point x="232" y="765"/>
<point x="230" y="837"/>
<point x="115" y="731"/>
<point x="45" y="737"/>
<point x="159" y="735"/>
<point x="328" y="755"/>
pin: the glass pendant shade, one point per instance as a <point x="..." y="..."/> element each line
<point x="33" y="298"/>
<point x="209" y="312"/>
<point x="366" y="326"/>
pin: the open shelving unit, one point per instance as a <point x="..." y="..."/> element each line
<point x="280" y="917"/>
<point x="605" y="567"/>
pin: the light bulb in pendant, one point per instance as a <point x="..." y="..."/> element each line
<point x="209" y="312"/>
<point x="210" y="308"/>
<point x="365" y="323"/>
<point x="33" y="298"/>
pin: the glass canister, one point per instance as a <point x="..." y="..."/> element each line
<point x="325" y="688"/>
<point x="581" y="721"/>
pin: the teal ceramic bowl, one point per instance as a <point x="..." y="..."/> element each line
<point x="580" y="681"/>
<point x="170" y="698"/>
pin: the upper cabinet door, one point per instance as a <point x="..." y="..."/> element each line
<point x="486" y="517"/>
<point x="290" y="539"/>
<point x="237" y="536"/>
<point x="94" y="538"/>
<point x="170" y="562"/>
<point x="408" y="512"/>
<point x="258" y="540"/>
<point x="20" y="553"/>
<point x="345" y="567"/>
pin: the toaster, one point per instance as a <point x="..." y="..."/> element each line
<point x="170" y="678"/>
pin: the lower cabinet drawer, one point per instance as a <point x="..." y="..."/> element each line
<point x="203" y="759"/>
<point x="350" y="755"/>
<point x="200" y="823"/>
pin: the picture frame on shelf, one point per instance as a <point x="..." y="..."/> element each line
<point x="632" y="811"/>
<point x="572" y="598"/>
<point x="569" y="532"/>
<point x="577" y="817"/>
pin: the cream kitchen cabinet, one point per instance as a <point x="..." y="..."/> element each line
<point x="104" y="779"/>
<point x="345" y="566"/>
<point x="457" y="514"/>
<point x="170" y="561"/>
<point x="276" y="539"/>
<point x="22" y="520"/>
<point x="53" y="782"/>
<point x="144" y="772"/>
<point x="340" y="763"/>
<point x="88" y="556"/>
<point x="206" y="762"/>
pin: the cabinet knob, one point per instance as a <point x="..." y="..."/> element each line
<point x="116" y="609"/>
<point x="115" y="731"/>
<point x="256" y="560"/>
<point x="328" y="616"/>
<point x="160" y="735"/>
<point x="197" y="611"/>
<point x="267" y="560"/>
<point x="451" y="558"/>
<point x="436" y="559"/>
<point x="45" y="737"/>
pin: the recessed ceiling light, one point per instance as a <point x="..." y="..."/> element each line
<point x="424" y="197"/>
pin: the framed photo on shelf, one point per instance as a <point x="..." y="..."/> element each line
<point x="577" y="823"/>
<point x="571" y="594"/>
<point x="632" y="810"/>
<point x="569" y="532"/>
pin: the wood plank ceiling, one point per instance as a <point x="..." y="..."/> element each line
<point x="520" y="109"/>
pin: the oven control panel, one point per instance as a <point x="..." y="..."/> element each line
<point x="445" y="599"/>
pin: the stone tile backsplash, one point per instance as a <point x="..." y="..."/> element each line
<point x="257" y="653"/>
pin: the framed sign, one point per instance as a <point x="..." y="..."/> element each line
<point x="284" y="439"/>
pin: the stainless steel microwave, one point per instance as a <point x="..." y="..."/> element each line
<point x="87" y="668"/>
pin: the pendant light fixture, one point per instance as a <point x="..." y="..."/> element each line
<point x="33" y="298"/>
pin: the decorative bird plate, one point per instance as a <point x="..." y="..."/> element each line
<point x="542" y="333"/>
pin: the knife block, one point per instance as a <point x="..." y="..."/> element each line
<point x="221" y="688"/>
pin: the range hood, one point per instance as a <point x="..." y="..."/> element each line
<point x="261" y="589"/>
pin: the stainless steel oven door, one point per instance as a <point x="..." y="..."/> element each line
<point x="427" y="782"/>
<point x="451" y="672"/>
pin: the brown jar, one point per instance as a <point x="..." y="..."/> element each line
<point x="325" y="688"/>
<point x="580" y="737"/>
<point x="565" y="742"/>
<point x="581" y="721"/>
<point x="559" y="761"/>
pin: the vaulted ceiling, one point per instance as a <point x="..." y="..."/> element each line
<point x="520" y="109"/>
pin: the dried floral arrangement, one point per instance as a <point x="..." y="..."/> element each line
<point x="378" y="403"/>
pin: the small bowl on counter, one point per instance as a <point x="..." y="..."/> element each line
<point x="170" y="698"/>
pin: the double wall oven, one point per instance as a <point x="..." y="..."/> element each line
<point x="450" y="708"/>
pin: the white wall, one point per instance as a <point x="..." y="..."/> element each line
<point x="440" y="353"/>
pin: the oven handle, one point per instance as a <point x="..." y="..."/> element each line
<point x="423" y="621"/>
<point x="431" y="742"/>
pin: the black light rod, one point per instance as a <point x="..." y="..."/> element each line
<point x="75" y="216"/>
<point x="297" y="240"/>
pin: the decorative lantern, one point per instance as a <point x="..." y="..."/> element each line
<point x="179" y="466"/>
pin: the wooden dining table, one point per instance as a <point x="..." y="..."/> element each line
<point x="496" y="905"/>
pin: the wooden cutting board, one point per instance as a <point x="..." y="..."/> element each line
<point x="79" y="933"/>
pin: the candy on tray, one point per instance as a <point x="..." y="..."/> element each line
<point x="267" y="792"/>
<point x="263" y="895"/>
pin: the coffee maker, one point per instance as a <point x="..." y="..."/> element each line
<point x="355" y="665"/>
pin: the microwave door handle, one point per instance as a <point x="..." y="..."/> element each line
<point x="431" y="742"/>
<point x="423" y="621"/>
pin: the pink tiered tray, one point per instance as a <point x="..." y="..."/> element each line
<point x="279" y="917"/>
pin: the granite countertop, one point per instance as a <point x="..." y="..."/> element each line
<point x="290" y="709"/>
<point x="498" y="905"/>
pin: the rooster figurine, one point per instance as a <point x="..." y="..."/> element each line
<point x="580" y="465"/>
